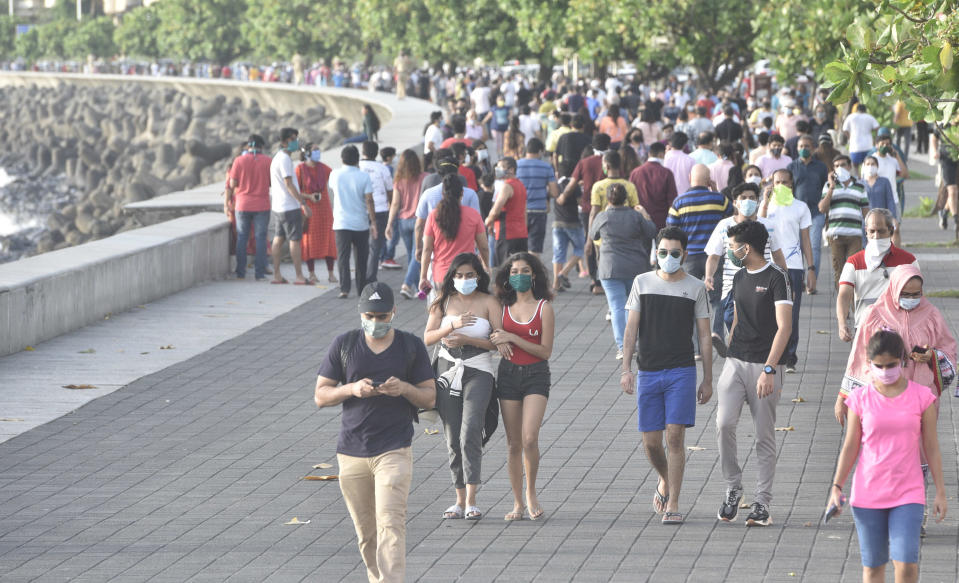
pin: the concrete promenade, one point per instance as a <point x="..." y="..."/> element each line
<point x="189" y="473"/>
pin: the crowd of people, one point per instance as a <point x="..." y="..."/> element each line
<point x="701" y="219"/>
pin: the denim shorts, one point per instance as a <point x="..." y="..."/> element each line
<point x="666" y="397"/>
<point x="885" y="532"/>
<point x="515" y="381"/>
<point x="565" y="236"/>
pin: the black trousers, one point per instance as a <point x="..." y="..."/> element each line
<point x="359" y="243"/>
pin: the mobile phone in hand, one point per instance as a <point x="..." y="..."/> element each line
<point x="833" y="509"/>
<point x="919" y="349"/>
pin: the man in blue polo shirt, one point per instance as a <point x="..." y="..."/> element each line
<point x="540" y="182"/>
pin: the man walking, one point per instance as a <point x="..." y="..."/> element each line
<point x="809" y="176"/>
<point x="540" y="182"/>
<point x="354" y="218"/>
<point x="665" y="307"/>
<point x="655" y="185"/>
<point x="382" y="197"/>
<point x="845" y="202"/>
<point x="381" y="376"/>
<point x="678" y="162"/>
<point x="250" y="187"/>
<point x="762" y="322"/>
<point x="288" y="206"/>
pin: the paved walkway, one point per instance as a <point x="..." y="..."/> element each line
<point x="190" y="473"/>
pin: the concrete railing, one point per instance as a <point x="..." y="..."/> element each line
<point x="47" y="295"/>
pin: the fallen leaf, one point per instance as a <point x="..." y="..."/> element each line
<point x="142" y="307"/>
<point x="696" y="448"/>
<point x="167" y="347"/>
<point x="10" y="419"/>
<point x="799" y="400"/>
<point x="791" y="574"/>
<point x="834" y="537"/>
<point x="297" y="521"/>
<point x="107" y="317"/>
<point x="79" y="386"/>
<point x="790" y="428"/>
<point x="29" y="348"/>
<point x="145" y="352"/>
<point x="807" y="524"/>
<point x="322" y="466"/>
<point x="321" y="478"/>
<point x="215" y="316"/>
<point x="87" y="351"/>
<point x="744" y="504"/>
<point x="823" y="332"/>
<point x="430" y="431"/>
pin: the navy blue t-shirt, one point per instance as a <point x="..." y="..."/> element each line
<point x="382" y="423"/>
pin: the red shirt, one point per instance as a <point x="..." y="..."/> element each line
<point x="445" y="250"/>
<point x="470" y="177"/>
<point x="656" y="189"/>
<point x="448" y="142"/>
<point x="252" y="175"/>
<point x="588" y="172"/>
<point x="514" y="209"/>
<point x="531" y="331"/>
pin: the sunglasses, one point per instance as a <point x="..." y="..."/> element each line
<point x="662" y="253"/>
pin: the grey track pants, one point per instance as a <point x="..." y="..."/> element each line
<point x="463" y="419"/>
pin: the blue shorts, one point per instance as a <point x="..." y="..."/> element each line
<point x="666" y="397"/>
<point x="564" y="236"/>
<point x="888" y="531"/>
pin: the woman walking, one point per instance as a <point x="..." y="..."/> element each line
<point x="889" y="419"/>
<point x="319" y="242"/>
<point x="525" y="342"/>
<point x="451" y="229"/>
<point x="406" y="194"/>
<point x="461" y="319"/>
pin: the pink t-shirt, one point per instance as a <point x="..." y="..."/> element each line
<point x="888" y="473"/>
<point x="445" y="250"/>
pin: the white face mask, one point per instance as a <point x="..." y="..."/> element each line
<point x="753" y="179"/>
<point x="870" y="171"/>
<point x="483" y="155"/>
<point x="842" y="174"/>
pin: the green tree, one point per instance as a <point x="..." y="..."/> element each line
<point x="27" y="45"/>
<point x="8" y="36"/>
<point x="201" y="30"/>
<point x="542" y="27"/>
<point x="50" y="37"/>
<point x="137" y="32"/>
<point x="280" y="29"/>
<point x="903" y="51"/>
<point x="483" y="29"/>
<point x="91" y="37"/>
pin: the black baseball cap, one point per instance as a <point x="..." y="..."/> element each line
<point x="376" y="297"/>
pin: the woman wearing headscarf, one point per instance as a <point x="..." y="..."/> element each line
<point x="930" y="345"/>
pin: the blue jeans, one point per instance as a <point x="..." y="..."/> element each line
<point x="796" y="278"/>
<point x="888" y="531"/>
<point x="617" y="290"/>
<point x="376" y="246"/>
<point x="406" y="228"/>
<point x="260" y="221"/>
<point x="565" y="236"/>
<point x="723" y="316"/>
<point x="815" y="238"/>
<point x="389" y="252"/>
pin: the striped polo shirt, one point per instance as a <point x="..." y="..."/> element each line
<point x="697" y="212"/>
<point x="845" y="210"/>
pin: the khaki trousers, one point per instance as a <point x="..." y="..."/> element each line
<point x="737" y="385"/>
<point x="375" y="490"/>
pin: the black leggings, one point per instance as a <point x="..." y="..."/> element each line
<point x="311" y="264"/>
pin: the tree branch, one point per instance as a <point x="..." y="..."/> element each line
<point x="910" y="18"/>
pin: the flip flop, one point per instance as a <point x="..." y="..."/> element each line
<point x="514" y="515"/>
<point x="672" y="518"/>
<point x="453" y="512"/>
<point x="280" y="282"/>
<point x="659" y="501"/>
<point x="473" y="513"/>
<point x="304" y="282"/>
<point x="535" y="514"/>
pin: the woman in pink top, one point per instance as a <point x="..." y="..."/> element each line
<point x="887" y="422"/>
<point x="451" y="229"/>
<point x="406" y="193"/>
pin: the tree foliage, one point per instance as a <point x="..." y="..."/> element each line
<point x="201" y="31"/>
<point x="8" y="36"/>
<point x="92" y="37"/>
<point x="903" y="51"/>
<point x="277" y="30"/>
<point x="136" y="35"/>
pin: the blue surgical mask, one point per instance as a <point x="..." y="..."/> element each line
<point x="748" y="207"/>
<point x="670" y="264"/>
<point x="909" y="304"/>
<point x="315" y="155"/>
<point x="465" y="286"/>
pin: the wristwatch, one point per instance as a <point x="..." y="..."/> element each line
<point x="769" y="369"/>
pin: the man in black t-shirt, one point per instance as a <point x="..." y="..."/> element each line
<point x="381" y="376"/>
<point x="570" y="146"/>
<point x="762" y="322"/>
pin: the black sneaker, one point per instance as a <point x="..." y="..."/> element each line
<point x="564" y="281"/>
<point x="759" y="515"/>
<point x="730" y="506"/>
<point x="943" y="220"/>
<point x="719" y="346"/>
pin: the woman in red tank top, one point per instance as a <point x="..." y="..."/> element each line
<point x="525" y="342"/>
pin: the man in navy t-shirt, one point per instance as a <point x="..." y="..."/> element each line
<point x="381" y="376"/>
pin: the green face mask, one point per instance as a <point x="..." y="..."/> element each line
<point x="782" y="195"/>
<point x="521" y="282"/>
<point x="736" y="261"/>
<point x="293" y="146"/>
<point x="805" y="152"/>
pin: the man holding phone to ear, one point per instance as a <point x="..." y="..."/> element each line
<point x="381" y="376"/>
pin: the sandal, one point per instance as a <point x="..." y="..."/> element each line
<point x="473" y="513"/>
<point x="536" y="514"/>
<point x="659" y="501"/>
<point x="672" y="518"/>
<point x="453" y="512"/>
<point x="312" y="279"/>
<point x="514" y="515"/>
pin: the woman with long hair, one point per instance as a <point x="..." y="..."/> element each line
<point x="371" y="124"/>
<point x="525" y="342"/>
<point x="451" y="229"/>
<point x="406" y="194"/>
<point x="614" y="125"/>
<point x="460" y="320"/>
<point x="514" y="141"/>
<point x="319" y="241"/>
<point x="628" y="153"/>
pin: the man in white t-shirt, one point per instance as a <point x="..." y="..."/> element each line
<point x="792" y="221"/>
<point x="433" y="138"/>
<point x="288" y="206"/>
<point x="746" y="200"/>
<point x="858" y="128"/>
<point x="480" y="98"/>
<point x="382" y="197"/>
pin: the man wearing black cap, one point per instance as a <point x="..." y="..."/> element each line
<point x="381" y="376"/>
